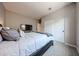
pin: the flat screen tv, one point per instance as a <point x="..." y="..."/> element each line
<point x="26" y="27"/>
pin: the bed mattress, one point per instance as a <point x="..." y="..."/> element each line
<point x="25" y="46"/>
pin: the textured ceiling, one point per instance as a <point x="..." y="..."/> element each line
<point x="34" y="9"/>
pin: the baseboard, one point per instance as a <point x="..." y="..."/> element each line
<point x="70" y="45"/>
<point x="77" y="49"/>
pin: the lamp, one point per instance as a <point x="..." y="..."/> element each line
<point x="22" y="26"/>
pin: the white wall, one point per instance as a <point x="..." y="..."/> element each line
<point x="69" y="14"/>
<point x="77" y="26"/>
<point x="14" y="20"/>
<point x="2" y="14"/>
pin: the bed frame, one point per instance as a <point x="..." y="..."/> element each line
<point x="42" y="50"/>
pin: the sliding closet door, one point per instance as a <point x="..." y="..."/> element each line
<point x="59" y="30"/>
<point x="56" y="28"/>
<point x="49" y="27"/>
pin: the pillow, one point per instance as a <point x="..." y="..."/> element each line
<point x="5" y="28"/>
<point x="0" y="38"/>
<point x="0" y="28"/>
<point x="22" y="34"/>
<point x="10" y="34"/>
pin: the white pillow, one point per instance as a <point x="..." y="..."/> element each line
<point x="22" y="34"/>
<point x="6" y="28"/>
<point x="0" y="28"/>
<point x="0" y="38"/>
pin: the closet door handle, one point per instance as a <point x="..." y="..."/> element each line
<point x="63" y="31"/>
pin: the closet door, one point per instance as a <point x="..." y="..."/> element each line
<point x="49" y="27"/>
<point x="56" y="28"/>
<point x="59" y="30"/>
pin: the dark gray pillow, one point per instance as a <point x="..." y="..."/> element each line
<point x="10" y="34"/>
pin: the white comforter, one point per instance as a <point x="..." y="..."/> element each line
<point x="25" y="46"/>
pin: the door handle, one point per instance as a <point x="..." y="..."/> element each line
<point x="63" y="31"/>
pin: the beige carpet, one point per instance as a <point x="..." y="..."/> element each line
<point x="60" y="49"/>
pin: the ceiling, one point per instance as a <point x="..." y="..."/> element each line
<point x="34" y="9"/>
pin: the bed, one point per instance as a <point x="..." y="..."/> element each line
<point x="32" y="44"/>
